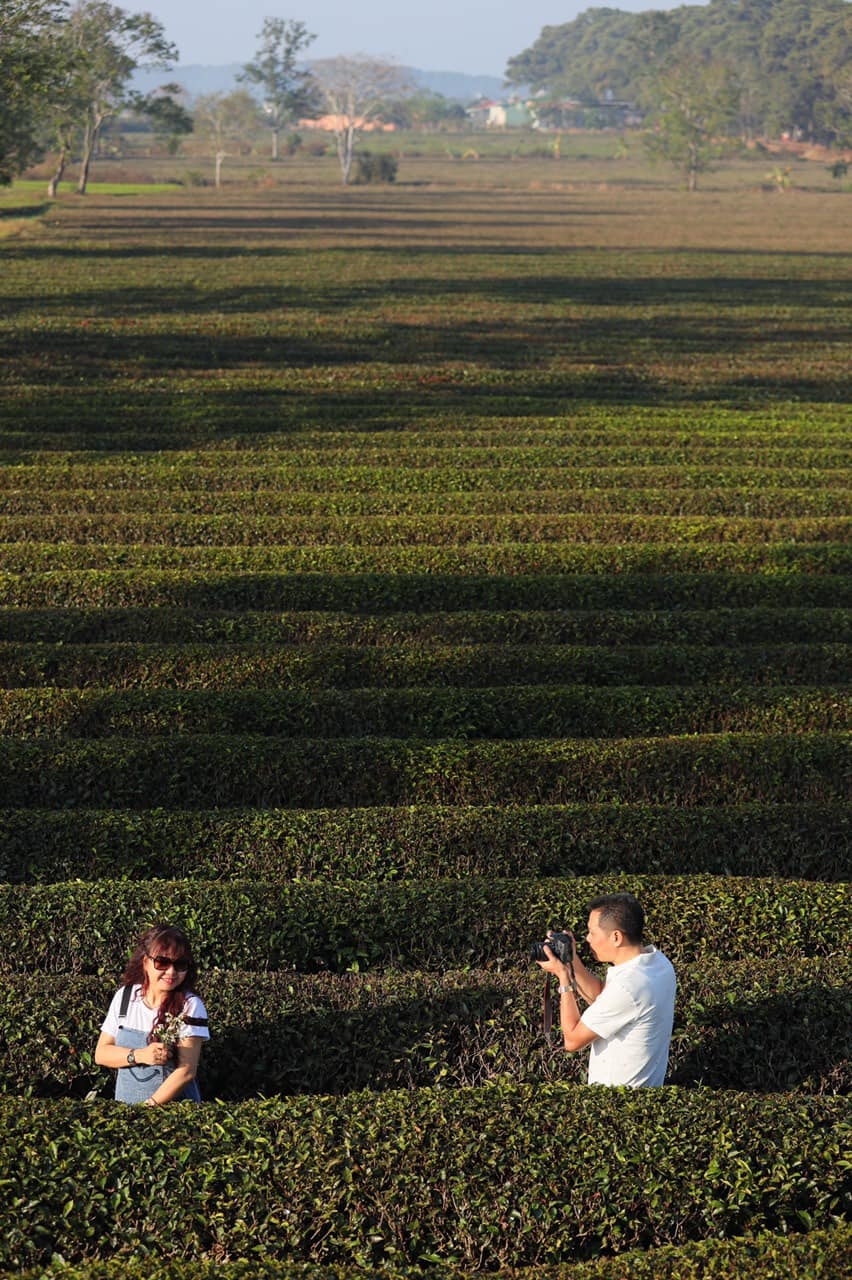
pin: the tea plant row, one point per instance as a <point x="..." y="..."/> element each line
<point x="790" y="839"/>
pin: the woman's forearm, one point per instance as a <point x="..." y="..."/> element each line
<point x="114" y="1056"/>
<point x="172" y="1087"/>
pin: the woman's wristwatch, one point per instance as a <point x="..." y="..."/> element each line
<point x="131" y="1059"/>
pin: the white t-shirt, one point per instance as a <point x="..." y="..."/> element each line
<point x="140" y="1018"/>
<point x="633" y="1018"/>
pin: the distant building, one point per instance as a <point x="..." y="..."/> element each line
<point x="487" y="114"/>
<point x="541" y="113"/>
<point x="333" y="124"/>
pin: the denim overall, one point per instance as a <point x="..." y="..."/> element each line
<point x="135" y="1084"/>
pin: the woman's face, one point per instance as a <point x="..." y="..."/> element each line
<point x="163" y="972"/>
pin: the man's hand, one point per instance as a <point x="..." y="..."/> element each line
<point x="554" y="966"/>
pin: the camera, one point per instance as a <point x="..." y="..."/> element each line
<point x="561" y="944"/>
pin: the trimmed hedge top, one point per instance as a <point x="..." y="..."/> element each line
<point x="462" y="1176"/>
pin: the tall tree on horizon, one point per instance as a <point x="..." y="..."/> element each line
<point x="288" y="89"/>
<point x="96" y="52"/>
<point x="356" y="90"/>
<point x="28" y="77"/>
<point x="694" y="109"/>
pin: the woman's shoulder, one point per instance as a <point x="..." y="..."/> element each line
<point x="194" y="1006"/>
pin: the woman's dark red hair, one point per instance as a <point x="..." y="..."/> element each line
<point x="163" y="940"/>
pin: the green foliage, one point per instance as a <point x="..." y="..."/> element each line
<point x="286" y="89"/>
<point x="28" y="77"/>
<point x="793" y="839"/>
<point x="408" y="1177"/>
<point x="766" y="1256"/>
<point x="370" y="168"/>
<point x="418" y="659"/>
<point x="814" y="1255"/>
<point x="98" y="50"/>
<point x="223" y="771"/>
<point x="763" y="1026"/>
<point x="693" y="112"/>
<point x="500" y="711"/>
<point x="420" y="530"/>
<point x="169" y="119"/>
<point x="391" y="592"/>
<point x="427" y="924"/>
<point x="717" y="642"/>
<point x="293" y="465"/>
<point x="790" y="58"/>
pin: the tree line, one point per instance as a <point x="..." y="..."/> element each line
<point x="702" y="77"/>
<point x="66" y="71"/>
<point x="771" y="66"/>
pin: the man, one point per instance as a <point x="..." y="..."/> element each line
<point x="628" y="1021"/>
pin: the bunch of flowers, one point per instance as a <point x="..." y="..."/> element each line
<point x="171" y="1030"/>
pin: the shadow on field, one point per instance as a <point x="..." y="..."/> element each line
<point x="101" y="418"/>
<point x="801" y="1040"/>
<point x="501" y="343"/>
<point x="396" y="1044"/>
<point x="24" y="211"/>
<point x="471" y="1035"/>
<point x="278" y="295"/>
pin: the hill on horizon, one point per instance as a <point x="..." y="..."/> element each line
<point x="196" y="79"/>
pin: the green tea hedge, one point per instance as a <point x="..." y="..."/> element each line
<point x="695" y="631"/>
<point x="758" y="1025"/>
<point x="512" y="558"/>
<point x="815" y="1255"/>
<point x="414" y="662"/>
<point x="392" y="591"/>
<point x="87" y="927"/>
<point x="223" y="771"/>
<point x="705" y="496"/>
<point x="462" y="1176"/>
<point x="796" y="840"/>
<point x="247" y="529"/>
<point x="355" y="461"/>
<point x="359" y="453"/>
<point x="508" y="711"/>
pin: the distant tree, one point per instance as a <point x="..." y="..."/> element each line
<point x="28" y="30"/>
<point x="227" y="121"/>
<point x="168" y="117"/>
<point x="806" y="55"/>
<point x="585" y="59"/>
<point x="693" y="111"/>
<point x="97" y="52"/>
<point x="356" y="91"/>
<point x="288" y="89"/>
<point x="792" y="58"/>
<point x="425" y="109"/>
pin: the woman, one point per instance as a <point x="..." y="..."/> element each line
<point x="156" y="1025"/>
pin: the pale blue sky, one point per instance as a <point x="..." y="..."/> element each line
<point x="474" y="36"/>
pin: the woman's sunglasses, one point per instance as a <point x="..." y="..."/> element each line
<point x="161" y="963"/>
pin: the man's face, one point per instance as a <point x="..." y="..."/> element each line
<point x="599" y="940"/>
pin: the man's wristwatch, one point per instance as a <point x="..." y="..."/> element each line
<point x="131" y="1059"/>
<point x="569" y="986"/>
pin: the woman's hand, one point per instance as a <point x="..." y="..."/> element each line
<point x="154" y="1054"/>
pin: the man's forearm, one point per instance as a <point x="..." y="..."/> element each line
<point x="588" y="984"/>
<point x="569" y="1015"/>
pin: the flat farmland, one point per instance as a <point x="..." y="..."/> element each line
<point x="384" y="573"/>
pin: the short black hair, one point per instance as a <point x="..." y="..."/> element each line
<point x="621" y="911"/>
